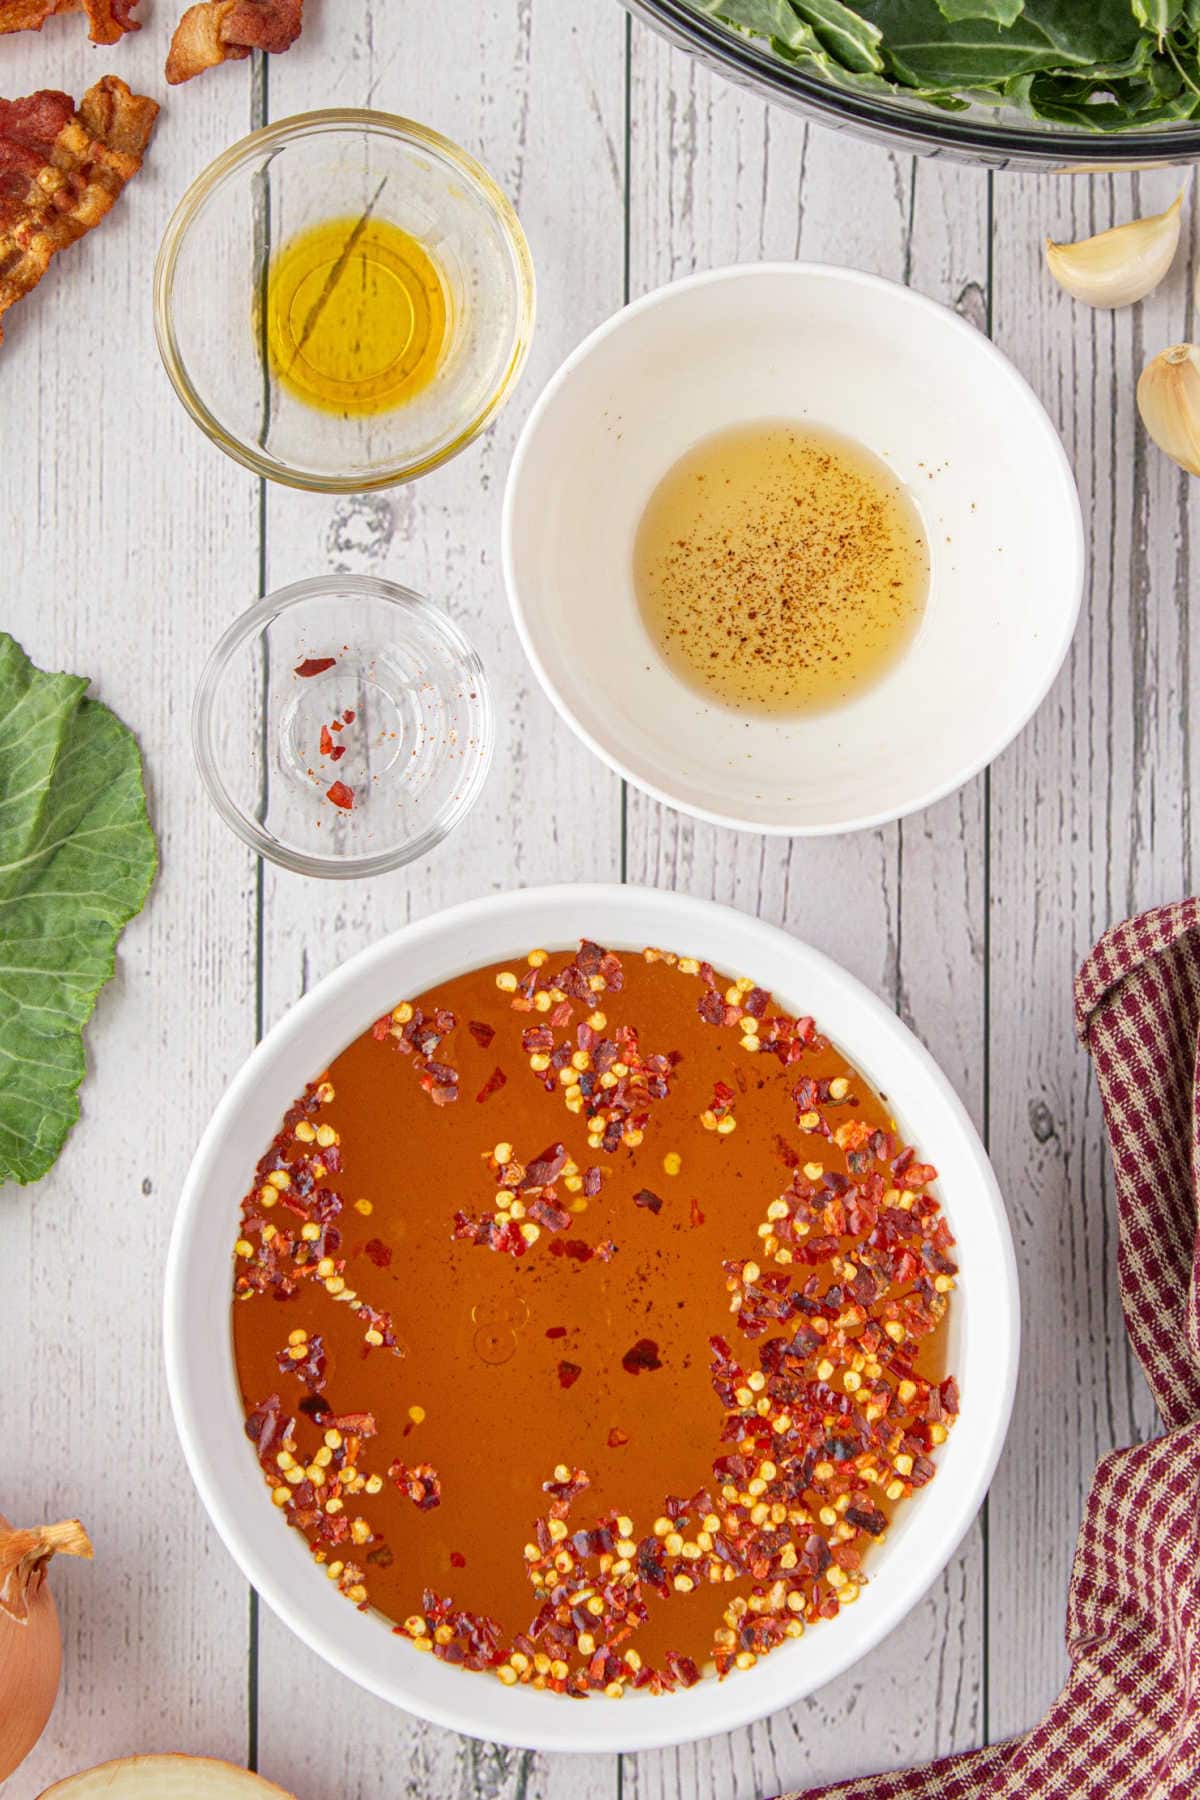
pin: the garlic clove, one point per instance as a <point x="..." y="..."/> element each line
<point x="1121" y="265"/>
<point x="1168" y="397"/>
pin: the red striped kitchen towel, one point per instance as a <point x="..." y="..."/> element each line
<point x="1127" y="1724"/>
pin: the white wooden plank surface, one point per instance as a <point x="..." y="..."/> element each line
<point x="129" y="543"/>
<point x="126" y="546"/>
<point x="1090" y="821"/>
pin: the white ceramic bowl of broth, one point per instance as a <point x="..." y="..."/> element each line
<point x="857" y="356"/>
<point x="982" y="1348"/>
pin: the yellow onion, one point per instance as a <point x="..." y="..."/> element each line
<point x="161" y="1777"/>
<point x="30" y="1645"/>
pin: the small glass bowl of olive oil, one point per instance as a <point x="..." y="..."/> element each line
<point x="344" y="300"/>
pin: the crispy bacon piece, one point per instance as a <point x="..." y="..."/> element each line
<point x="60" y="171"/>
<point x="218" y="31"/>
<point x="108" y="20"/>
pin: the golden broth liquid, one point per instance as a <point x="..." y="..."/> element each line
<point x="781" y="568"/>
<point x="356" y="316"/>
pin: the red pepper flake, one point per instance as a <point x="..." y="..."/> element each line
<point x="420" y="1483"/>
<point x="545" y="1169"/>
<point x="697" y="1215"/>
<point x="568" y="1374"/>
<point x="314" y="665"/>
<point x="337" y="753"/>
<point x="348" y="715"/>
<point x="360" y="1424"/>
<point x="378" y="1252"/>
<point x="644" y="1197"/>
<point x="575" y="1248"/>
<point x="482" y="1033"/>
<point x="341" y="795"/>
<point x="326" y="741"/>
<point x="335" y="725"/>
<point x="310" y="1367"/>
<point x="643" y="1355"/>
<point x="494" y="1082"/>
<point x="617" y="1437"/>
<point x="682" y="1668"/>
<point x="556" y="1331"/>
<point x="457" y="1560"/>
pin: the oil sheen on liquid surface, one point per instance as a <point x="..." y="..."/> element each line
<point x="781" y="568"/>
<point x="357" y="316"/>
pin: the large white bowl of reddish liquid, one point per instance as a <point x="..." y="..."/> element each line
<point x="982" y="1348"/>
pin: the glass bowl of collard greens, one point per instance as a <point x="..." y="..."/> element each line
<point x="1025" y="83"/>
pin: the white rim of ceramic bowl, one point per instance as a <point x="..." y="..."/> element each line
<point x="663" y="295"/>
<point x="597" y="1725"/>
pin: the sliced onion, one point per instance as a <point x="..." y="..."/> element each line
<point x="166" y="1778"/>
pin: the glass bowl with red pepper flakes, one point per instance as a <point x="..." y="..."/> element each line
<point x="343" y="726"/>
<point x="596" y="1326"/>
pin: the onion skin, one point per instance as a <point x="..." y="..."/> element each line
<point x="161" y="1777"/>
<point x="30" y="1664"/>
<point x="30" y="1646"/>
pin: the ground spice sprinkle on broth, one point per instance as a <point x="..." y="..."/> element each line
<point x="589" y="1318"/>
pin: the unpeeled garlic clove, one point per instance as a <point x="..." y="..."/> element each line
<point x="1168" y="397"/>
<point x="1121" y="265"/>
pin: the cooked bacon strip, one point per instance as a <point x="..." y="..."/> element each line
<point x="218" y="31"/>
<point x="60" y="171"/>
<point x="108" y="20"/>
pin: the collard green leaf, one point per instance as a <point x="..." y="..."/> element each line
<point x="765" y="18"/>
<point x="926" y="50"/>
<point x="848" y="37"/>
<point x="1157" y="16"/>
<point x="1000" y="12"/>
<point x="77" y="856"/>
<point x="1096" y="65"/>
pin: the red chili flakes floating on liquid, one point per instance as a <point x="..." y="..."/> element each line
<point x="309" y="1365"/>
<point x="314" y="665"/>
<point x="575" y="1248"/>
<point x="340" y="795"/>
<point x="568" y="1374"/>
<point x="357" y="1424"/>
<point x="617" y="1437"/>
<point x="481" y="1032"/>
<point x="492" y="1085"/>
<point x="556" y="1331"/>
<point x="457" y="1560"/>
<point x="545" y="1169"/>
<point x="644" y="1197"/>
<point x="421" y="1483"/>
<point x="439" y="1081"/>
<point x="697" y="1215"/>
<point x="643" y="1355"/>
<point x="378" y="1252"/>
<point x="266" y="1427"/>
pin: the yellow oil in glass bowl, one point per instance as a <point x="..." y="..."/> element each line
<point x="357" y="316"/>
